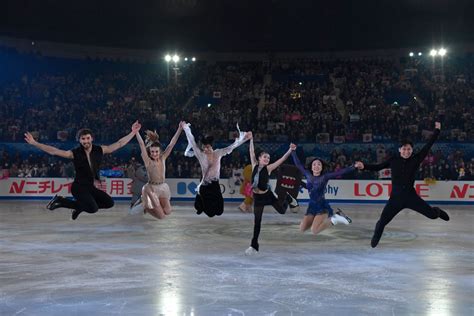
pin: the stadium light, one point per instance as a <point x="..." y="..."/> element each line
<point x="433" y="52"/>
<point x="185" y="58"/>
<point x="420" y="53"/>
<point x="411" y="54"/>
<point x="168" y="58"/>
<point x="193" y="59"/>
<point x="175" y="58"/>
<point x="442" y="51"/>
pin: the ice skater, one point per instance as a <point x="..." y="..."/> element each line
<point x="86" y="159"/>
<point x="209" y="196"/>
<point x="403" y="193"/>
<point x="319" y="214"/>
<point x="156" y="193"/>
<point x="262" y="192"/>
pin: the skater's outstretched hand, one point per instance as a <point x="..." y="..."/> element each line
<point x="30" y="139"/>
<point x="136" y="127"/>
<point x="182" y="124"/>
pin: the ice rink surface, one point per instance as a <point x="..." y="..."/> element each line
<point x="111" y="263"/>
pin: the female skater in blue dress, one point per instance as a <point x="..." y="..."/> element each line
<point x="319" y="214"/>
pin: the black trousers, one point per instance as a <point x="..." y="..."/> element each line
<point x="88" y="198"/>
<point x="403" y="198"/>
<point x="260" y="201"/>
<point x="209" y="199"/>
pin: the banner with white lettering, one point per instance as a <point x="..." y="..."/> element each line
<point x="185" y="189"/>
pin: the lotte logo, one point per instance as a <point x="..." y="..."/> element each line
<point x="375" y="189"/>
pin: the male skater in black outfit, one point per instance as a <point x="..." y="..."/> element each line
<point x="87" y="159"/>
<point x="403" y="193"/>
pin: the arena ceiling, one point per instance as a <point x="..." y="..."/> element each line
<point x="245" y="25"/>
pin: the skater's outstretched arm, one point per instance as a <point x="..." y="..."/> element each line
<point x="173" y="141"/>
<point x="47" y="148"/>
<point x="196" y="151"/>
<point x="375" y="167"/>
<point x="253" y="159"/>
<point x="338" y="173"/>
<point x="239" y="141"/>
<point x="277" y="163"/>
<point x="424" y="151"/>
<point x="108" y="149"/>
<point x="300" y="166"/>
<point x="143" y="151"/>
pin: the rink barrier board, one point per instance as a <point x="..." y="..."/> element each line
<point x="337" y="191"/>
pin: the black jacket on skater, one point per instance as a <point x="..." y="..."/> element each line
<point x="403" y="193"/>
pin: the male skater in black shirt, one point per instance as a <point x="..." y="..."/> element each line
<point x="87" y="159"/>
<point x="403" y="193"/>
